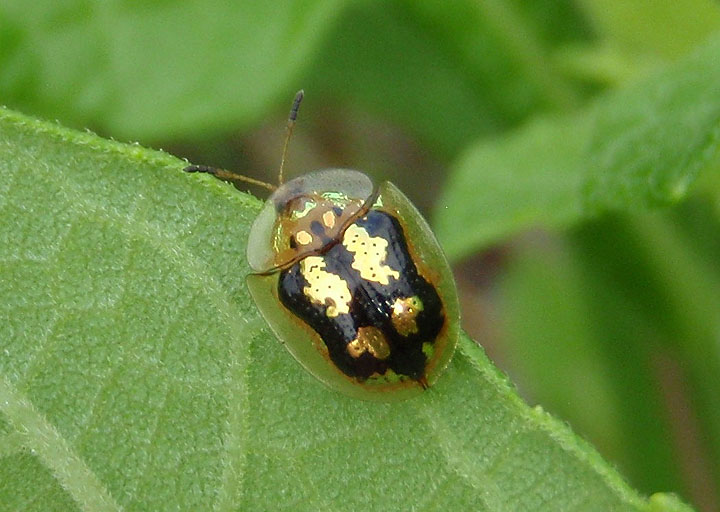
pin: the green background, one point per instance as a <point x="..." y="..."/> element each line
<point x="564" y="151"/>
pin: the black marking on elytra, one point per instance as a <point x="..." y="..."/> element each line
<point x="371" y="305"/>
<point x="317" y="228"/>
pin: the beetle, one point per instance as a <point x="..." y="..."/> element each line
<point x="351" y="279"/>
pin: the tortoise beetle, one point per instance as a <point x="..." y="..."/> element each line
<point x="351" y="278"/>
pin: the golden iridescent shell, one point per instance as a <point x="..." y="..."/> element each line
<point x="352" y="280"/>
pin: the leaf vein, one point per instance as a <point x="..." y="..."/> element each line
<point x="55" y="451"/>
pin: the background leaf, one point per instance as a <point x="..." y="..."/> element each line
<point x="617" y="307"/>
<point x="155" y="70"/>
<point x="449" y="75"/>
<point x="662" y="28"/>
<point x="639" y="147"/>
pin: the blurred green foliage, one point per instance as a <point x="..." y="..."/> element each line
<point x="540" y="131"/>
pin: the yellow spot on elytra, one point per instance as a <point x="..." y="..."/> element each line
<point x="369" y="255"/>
<point x="369" y="339"/>
<point x="303" y="237"/>
<point x="325" y="288"/>
<point x="404" y="312"/>
<point x="329" y="219"/>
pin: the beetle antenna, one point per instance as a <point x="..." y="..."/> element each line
<point x="228" y="176"/>
<point x="231" y="176"/>
<point x="288" y="131"/>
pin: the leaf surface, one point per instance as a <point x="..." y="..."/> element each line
<point x="157" y="70"/>
<point x="135" y="373"/>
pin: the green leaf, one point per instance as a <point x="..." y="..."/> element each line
<point x="574" y="333"/>
<point x="640" y="147"/>
<point x="135" y="373"/>
<point x="162" y="70"/>
<point x="447" y="74"/>
<point x="616" y="328"/>
<point x="152" y="70"/>
<point x="661" y="28"/>
<point x="667" y="503"/>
